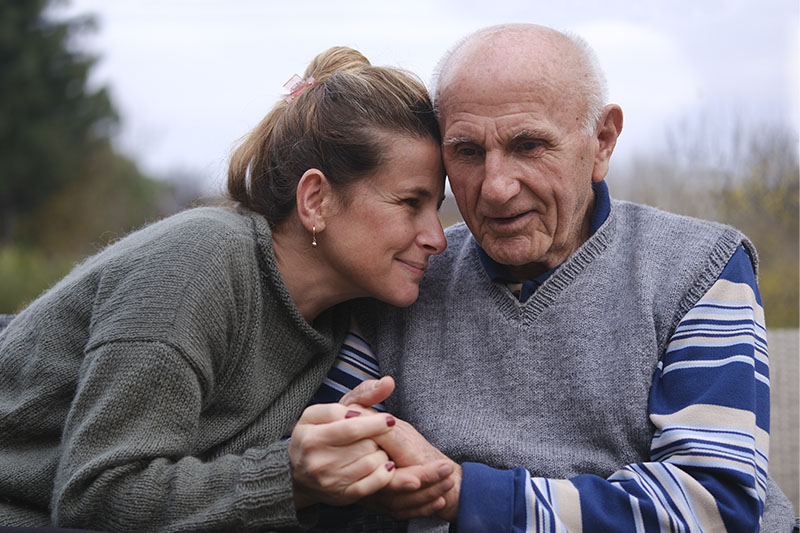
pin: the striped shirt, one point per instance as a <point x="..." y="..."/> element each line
<point x="707" y="471"/>
<point x="354" y="364"/>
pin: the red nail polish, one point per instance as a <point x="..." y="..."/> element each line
<point x="389" y="466"/>
<point x="390" y="421"/>
<point x="351" y="414"/>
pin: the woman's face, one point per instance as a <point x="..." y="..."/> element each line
<point x="380" y="239"/>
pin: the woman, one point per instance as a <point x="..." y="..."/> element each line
<point x="152" y="388"/>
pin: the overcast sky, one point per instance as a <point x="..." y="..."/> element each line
<point x="190" y="77"/>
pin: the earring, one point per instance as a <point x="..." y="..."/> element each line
<point x="313" y="236"/>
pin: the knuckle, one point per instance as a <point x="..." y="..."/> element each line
<point x="310" y="441"/>
<point x="350" y="396"/>
<point x="375" y="455"/>
<point x="315" y="468"/>
<point x="311" y="412"/>
<point x="352" y="431"/>
<point x="375" y="462"/>
<point x="357" y="492"/>
<point x="369" y="446"/>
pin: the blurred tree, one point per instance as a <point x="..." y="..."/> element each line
<point x="65" y="192"/>
<point x="765" y="204"/>
<point x="50" y="121"/>
<point x="750" y="181"/>
<point x="109" y="199"/>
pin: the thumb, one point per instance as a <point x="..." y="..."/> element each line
<point x="369" y="392"/>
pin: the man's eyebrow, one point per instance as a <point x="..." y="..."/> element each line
<point x="456" y="140"/>
<point x="531" y="134"/>
<point x="522" y="134"/>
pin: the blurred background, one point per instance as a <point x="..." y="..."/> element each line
<point x="115" y="114"/>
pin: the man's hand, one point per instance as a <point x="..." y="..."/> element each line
<point x="437" y="491"/>
<point x="369" y="392"/>
<point x="407" y="447"/>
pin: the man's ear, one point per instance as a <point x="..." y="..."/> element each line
<point x="313" y="197"/>
<point x="606" y="134"/>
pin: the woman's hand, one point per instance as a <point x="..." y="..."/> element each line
<point x="333" y="457"/>
<point x="439" y="486"/>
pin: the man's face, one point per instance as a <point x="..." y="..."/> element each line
<point x="519" y="165"/>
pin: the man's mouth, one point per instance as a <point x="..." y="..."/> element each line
<point x="510" y="223"/>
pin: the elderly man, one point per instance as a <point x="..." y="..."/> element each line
<point x="588" y="364"/>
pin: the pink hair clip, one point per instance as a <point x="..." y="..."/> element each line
<point x="297" y="85"/>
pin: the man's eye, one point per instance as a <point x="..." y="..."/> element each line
<point x="528" y="146"/>
<point x="467" y="151"/>
<point x="413" y="202"/>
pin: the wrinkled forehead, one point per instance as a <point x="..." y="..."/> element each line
<point x="509" y="103"/>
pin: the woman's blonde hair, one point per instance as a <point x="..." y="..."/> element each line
<point x="338" y="124"/>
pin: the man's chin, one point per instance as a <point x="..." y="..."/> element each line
<point x="515" y="252"/>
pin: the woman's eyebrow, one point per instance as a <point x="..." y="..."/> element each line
<point x="422" y="192"/>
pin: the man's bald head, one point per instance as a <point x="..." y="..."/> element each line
<point x="528" y="51"/>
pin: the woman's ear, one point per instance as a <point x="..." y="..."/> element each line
<point x="313" y="191"/>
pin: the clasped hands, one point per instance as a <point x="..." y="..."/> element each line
<point x="346" y="453"/>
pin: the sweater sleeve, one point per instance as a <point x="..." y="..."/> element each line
<point x="709" y="403"/>
<point x="127" y="459"/>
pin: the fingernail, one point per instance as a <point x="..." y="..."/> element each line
<point x="390" y="421"/>
<point x="351" y="414"/>
<point x="445" y="470"/>
<point x="389" y="466"/>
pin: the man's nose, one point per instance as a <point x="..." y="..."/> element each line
<point x="499" y="182"/>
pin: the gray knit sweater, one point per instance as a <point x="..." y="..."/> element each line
<point x="149" y="390"/>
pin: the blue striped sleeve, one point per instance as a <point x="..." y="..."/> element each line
<point x="709" y="403"/>
<point x="354" y="364"/>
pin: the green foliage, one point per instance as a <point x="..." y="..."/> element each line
<point x="79" y="221"/>
<point x="752" y="184"/>
<point x="65" y="192"/>
<point x="26" y="272"/>
<point x="110" y="199"/>
<point x="765" y="205"/>
<point x="50" y="121"/>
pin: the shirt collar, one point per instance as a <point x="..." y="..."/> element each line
<point x="602" y="207"/>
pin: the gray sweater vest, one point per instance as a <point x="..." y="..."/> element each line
<point x="558" y="384"/>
